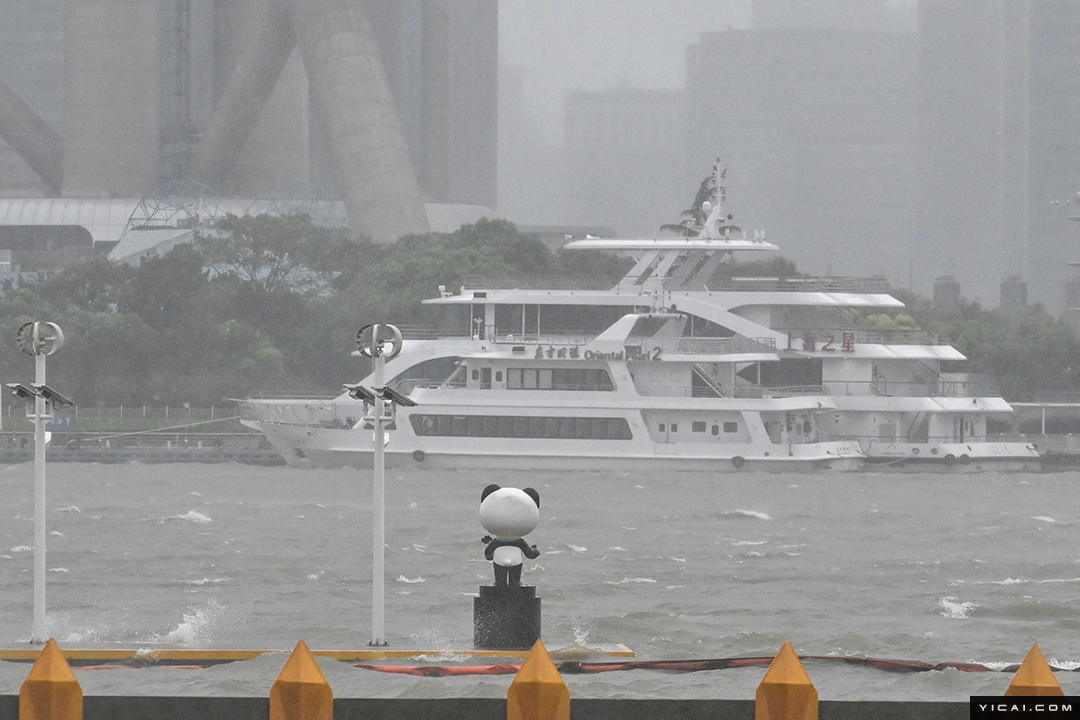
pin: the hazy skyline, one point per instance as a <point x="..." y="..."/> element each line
<point x="563" y="46"/>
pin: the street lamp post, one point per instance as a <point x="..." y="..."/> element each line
<point x="380" y="343"/>
<point x="39" y="339"/>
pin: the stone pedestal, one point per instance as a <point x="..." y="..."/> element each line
<point x="506" y="617"/>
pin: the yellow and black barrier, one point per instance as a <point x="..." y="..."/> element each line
<point x="51" y="691"/>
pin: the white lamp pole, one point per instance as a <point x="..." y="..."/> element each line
<point x="39" y="339"/>
<point x="378" y="342"/>
<point x="38" y="636"/>
<point x="378" y="512"/>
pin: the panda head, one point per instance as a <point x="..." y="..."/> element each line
<point x="509" y="512"/>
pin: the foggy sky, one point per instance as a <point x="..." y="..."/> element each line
<point x="571" y="45"/>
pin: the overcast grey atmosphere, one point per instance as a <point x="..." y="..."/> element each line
<point x="722" y="334"/>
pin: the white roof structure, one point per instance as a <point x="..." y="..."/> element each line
<point x="107" y="219"/>
<point x="139" y="244"/>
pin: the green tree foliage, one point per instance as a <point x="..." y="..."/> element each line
<point x="271" y="306"/>
<point x="263" y="305"/>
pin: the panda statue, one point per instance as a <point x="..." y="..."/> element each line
<point x="509" y="514"/>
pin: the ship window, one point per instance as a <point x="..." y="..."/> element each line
<point x="731" y="427"/>
<point x="521" y="427"/>
<point x="475" y="374"/>
<point x="498" y="376"/>
<point x="557" y="379"/>
<point x="551" y="427"/>
<point x="582" y="428"/>
<point x="674" y="427"/>
<point x="663" y="427"/>
<point x="566" y="428"/>
<point x="698" y="426"/>
<point x="715" y="429"/>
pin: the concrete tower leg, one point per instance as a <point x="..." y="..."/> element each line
<point x="266" y="50"/>
<point x="355" y="110"/>
<point x="32" y="138"/>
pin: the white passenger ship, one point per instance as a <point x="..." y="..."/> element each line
<point x="677" y="366"/>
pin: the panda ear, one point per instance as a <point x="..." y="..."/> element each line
<point x="531" y="492"/>
<point x="487" y="491"/>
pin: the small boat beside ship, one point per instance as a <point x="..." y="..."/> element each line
<point x="681" y="365"/>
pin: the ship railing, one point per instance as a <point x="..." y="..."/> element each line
<point x="800" y="284"/>
<point x="887" y="388"/>
<point x="753" y="391"/>
<point x="868" y="440"/>
<point x="314" y="413"/>
<point x="407" y="385"/>
<point x="554" y="339"/>
<point x="718" y="346"/>
<point x="821" y="337"/>
<point x="429" y="332"/>
<point x="757" y="391"/>
<point x="489" y="282"/>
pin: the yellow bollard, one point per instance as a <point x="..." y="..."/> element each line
<point x="50" y="691"/>
<point x="1034" y="677"/>
<point x="301" y="691"/>
<point x="786" y="693"/>
<point x="538" y="691"/>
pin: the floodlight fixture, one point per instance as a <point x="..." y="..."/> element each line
<point x="360" y="392"/>
<point x="389" y="394"/>
<point x="21" y="391"/>
<point x="51" y="395"/>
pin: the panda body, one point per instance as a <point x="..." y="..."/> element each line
<point x="509" y="514"/>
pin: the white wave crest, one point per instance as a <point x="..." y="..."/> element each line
<point x="1043" y="518"/>
<point x="748" y="513"/>
<point x="577" y="548"/>
<point x="410" y="581"/>
<point x="193" y="516"/>
<point x="951" y="607"/>
<point x="69" y="508"/>
<point x="1006" y="581"/>
<point x="21" y="548"/>
<point x="628" y="581"/>
<point x="206" y="581"/>
<point x="752" y="542"/>
<point x="195" y="627"/>
<point x="59" y="569"/>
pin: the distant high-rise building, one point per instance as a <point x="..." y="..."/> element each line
<point x="626" y="164"/>
<point x="999" y="103"/>
<point x="1013" y="294"/>
<point x="947" y="293"/>
<point x="820" y="127"/>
